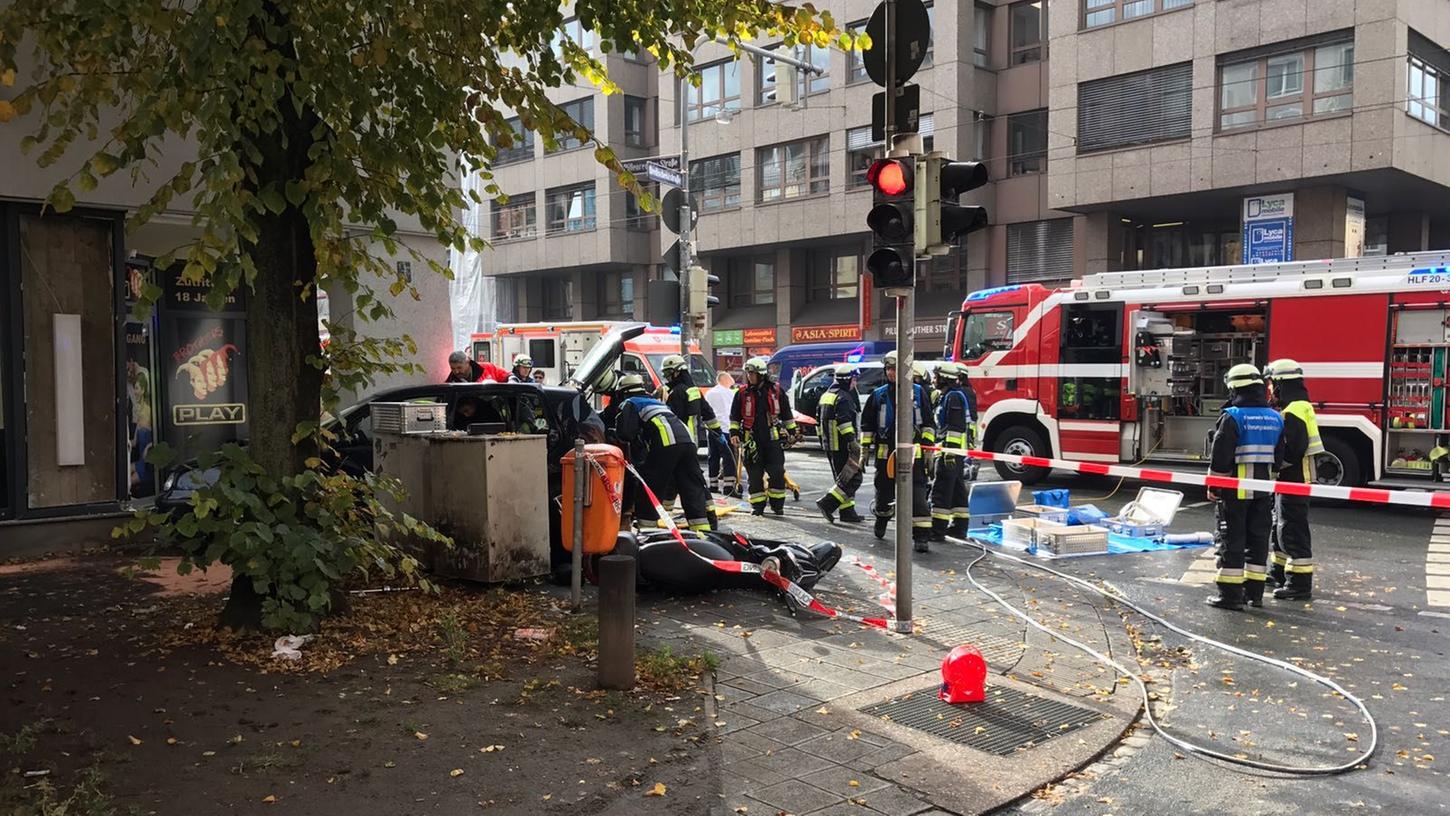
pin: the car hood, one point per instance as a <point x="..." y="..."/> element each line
<point x="604" y="355"/>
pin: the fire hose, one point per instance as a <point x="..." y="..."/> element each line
<point x="1115" y="595"/>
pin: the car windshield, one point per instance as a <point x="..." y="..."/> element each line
<point x="700" y="369"/>
<point x="987" y="331"/>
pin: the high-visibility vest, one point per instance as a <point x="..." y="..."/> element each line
<point x="1259" y="430"/>
<point x="1305" y="412"/>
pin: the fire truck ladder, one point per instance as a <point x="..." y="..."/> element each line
<point x="1265" y="273"/>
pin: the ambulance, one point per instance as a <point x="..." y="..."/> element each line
<point x="558" y="349"/>
<point x="1127" y="367"/>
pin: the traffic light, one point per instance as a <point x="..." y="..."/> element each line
<point x="893" y="185"/>
<point x="701" y="282"/>
<point x="939" y="218"/>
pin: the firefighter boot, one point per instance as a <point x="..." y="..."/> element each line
<point x="920" y="536"/>
<point x="777" y="506"/>
<point x="1276" y="572"/>
<point x="880" y="526"/>
<point x="827" y="505"/>
<point x="1254" y="593"/>
<point x="1299" y="587"/>
<point x="959" y="528"/>
<point x="1230" y="596"/>
<point x="850" y="516"/>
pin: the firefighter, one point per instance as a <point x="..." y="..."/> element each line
<point x="954" y="421"/>
<point x="1292" y="570"/>
<point x="759" y="417"/>
<point x="523" y="364"/>
<point x="1247" y="440"/>
<point x="686" y="401"/>
<point x="658" y="444"/>
<point x="838" y="411"/>
<point x="878" y="434"/>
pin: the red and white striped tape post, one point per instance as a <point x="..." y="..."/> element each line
<point x="1405" y="498"/>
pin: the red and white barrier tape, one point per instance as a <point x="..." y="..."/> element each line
<point x="794" y="591"/>
<point x="1406" y="498"/>
<point x="887" y="599"/>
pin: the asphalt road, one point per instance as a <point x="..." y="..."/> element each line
<point x="1370" y="627"/>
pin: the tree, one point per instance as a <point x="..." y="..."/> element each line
<point x="315" y="124"/>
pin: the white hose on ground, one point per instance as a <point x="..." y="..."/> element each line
<point x="1191" y="747"/>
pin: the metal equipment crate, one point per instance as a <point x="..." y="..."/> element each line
<point x="409" y="417"/>
<point x="1057" y="515"/>
<point x="1023" y="532"/>
<point x="1079" y="539"/>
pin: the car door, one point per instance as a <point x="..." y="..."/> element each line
<point x="808" y="395"/>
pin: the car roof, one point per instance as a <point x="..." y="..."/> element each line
<point x="446" y="390"/>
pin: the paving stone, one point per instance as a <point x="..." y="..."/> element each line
<point x="735" y="801"/>
<point x="881" y="756"/>
<point x="838" y="747"/>
<point x="778" y="679"/>
<point x="786" y="701"/>
<point x="734" y="721"/>
<point x="785" y="731"/>
<point x="850" y="678"/>
<point x="747" y="709"/>
<point x="753" y="770"/>
<point x="895" y="801"/>
<point x="795" y="796"/>
<point x="838" y="779"/>
<point x="791" y="763"/>
<point x="752" y="687"/>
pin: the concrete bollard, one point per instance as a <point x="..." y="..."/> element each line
<point x="616" y="622"/>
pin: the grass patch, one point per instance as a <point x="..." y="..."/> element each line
<point x="44" y="798"/>
<point x="663" y="670"/>
<point x="23" y="741"/>
<point x="266" y="761"/>
<point x="454" y="683"/>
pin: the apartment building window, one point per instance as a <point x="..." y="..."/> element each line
<point x="516" y="219"/>
<point x="719" y="90"/>
<point x="834" y="277"/>
<point x="616" y="294"/>
<point x="1279" y="87"/>
<point x="945" y="274"/>
<point x="555" y="295"/>
<point x="637" y="130"/>
<point x="582" y="112"/>
<point x="861" y="151"/>
<point x="1423" y="100"/>
<point x="1102" y="12"/>
<point x="717" y="182"/>
<point x="1028" y="31"/>
<point x="752" y="282"/>
<point x="1134" y="109"/>
<point x="570" y="209"/>
<point x="522" y="147"/>
<point x="794" y="169"/>
<point x="574" y="31"/>
<point x="855" y="58"/>
<point x="1027" y="143"/>
<point x="930" y="39"/>
<point x="635" y="216"/>
<point x="1039" y="250"/>
<point x="765" y="72"/>
<point x="982" y="36"/>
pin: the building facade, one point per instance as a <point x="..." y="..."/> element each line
<point x="1119" y="134"/>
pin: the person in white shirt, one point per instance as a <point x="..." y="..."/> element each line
<point x="722" y="460"/>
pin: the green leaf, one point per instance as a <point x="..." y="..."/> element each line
<point x="62" y="199"/>
<point x="273" y="200"/>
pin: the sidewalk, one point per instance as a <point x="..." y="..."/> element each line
<point x="826" y="717"/>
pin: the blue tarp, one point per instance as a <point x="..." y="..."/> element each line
<point x="1117" y="544"/>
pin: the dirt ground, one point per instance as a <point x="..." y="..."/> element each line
<point x="118" y="698"/>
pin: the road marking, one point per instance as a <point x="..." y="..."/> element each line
<point x="1429" y="614"/>
<point x="1437" y="598"/>
<point x="1437" y="564"/>
<point x="1207" y="503"/>
<point x="1437" y="569"/>
<point x="1202" y="571"/>
<point x="1437" y="581"/>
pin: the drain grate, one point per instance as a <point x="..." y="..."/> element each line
<point x="1001" y="652"/>
<point x="1006" y="722"/>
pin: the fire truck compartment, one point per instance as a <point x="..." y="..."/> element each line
<point x="1194" y="349"/>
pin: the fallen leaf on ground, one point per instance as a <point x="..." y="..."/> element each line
<point x="133" y="740"/>
<point x="420" y="735"/>
<point x="488" y="749"/>
<point x="658" y="790"/>
<point x="855" y="734"/>
<point x="171" y="740"/>
<point x="456" y="772"/>
<point x="269" y="799"/>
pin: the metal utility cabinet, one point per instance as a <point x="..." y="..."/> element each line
<point x="488" y="493"/>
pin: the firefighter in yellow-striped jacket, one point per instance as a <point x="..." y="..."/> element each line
<point x="686" y="400"/>
<point x="954" y="421"/>
<point x="1292" y="570"/>
<point x="1247" y="443"/>
<point x="837" y="415"/>
<point x="660" y="446"/>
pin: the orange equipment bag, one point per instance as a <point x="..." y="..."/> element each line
<point x="603" y="494"/>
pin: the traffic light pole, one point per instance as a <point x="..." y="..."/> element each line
<point x="687" y="245"/>
<point x="905" y="396"/>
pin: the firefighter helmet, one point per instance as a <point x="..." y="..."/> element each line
<point x="963" y="675"/>
<point x="950" y="371"/>
<point x="918" y="370"/>
<point x="1242" y="375"/>
<point x="673" y="363"/>
<point x="757" y="365"/>
<point x="630" y="385"/>
<point x="845" y="371"/>
<point x="523" y="360"/>
<point x="1284" y="369"/>
<point x="889" y="360"/>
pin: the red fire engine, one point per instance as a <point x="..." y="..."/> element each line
<point x="1128" y="366"/>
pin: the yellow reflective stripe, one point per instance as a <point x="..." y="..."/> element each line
<point x="1243" y="473"/>
<point x="1305" y="412"/>
<point x="693" y="393"/>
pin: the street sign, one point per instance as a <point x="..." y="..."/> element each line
<point x="664" y="175"/>
<point x="670" y="210"/>
<point x="672" y="257"/>
<point x="913" y="38"/>
<point x="639" y="167"/>
<point x="908" y="112"/>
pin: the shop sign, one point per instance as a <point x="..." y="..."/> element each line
<point x="758" y="337"/>
<point x="1268" y="229"/>
<point x="825" y="334"/>
<point x="728" y="337"/>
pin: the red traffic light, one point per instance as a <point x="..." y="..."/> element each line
<point x="890" y="177"/>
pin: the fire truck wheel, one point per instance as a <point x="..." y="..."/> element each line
<point x="1021" y="440"/>
<point x="1338" y="465"/>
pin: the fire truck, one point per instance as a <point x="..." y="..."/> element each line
<point x="1128" y="366"/>
<point x="558" y="348"/>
